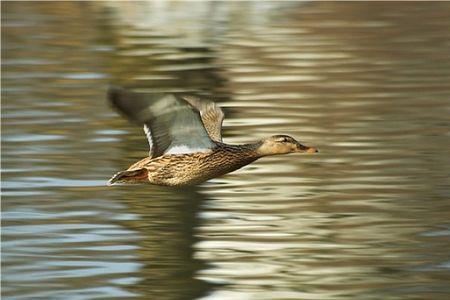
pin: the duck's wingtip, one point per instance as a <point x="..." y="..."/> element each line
<point x="128" y="176"/>
<point x="110" y="182"/>
<point x="112" y="91"/>
<point x="113" y="180"/>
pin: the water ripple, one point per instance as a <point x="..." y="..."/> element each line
<point x="366" y="83"/>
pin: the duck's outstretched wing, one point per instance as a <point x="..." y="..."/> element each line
<point x="211" y="114"/>
<point x="171" y="124"/>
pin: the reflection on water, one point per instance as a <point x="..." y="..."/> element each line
<point x="367" y="83"/>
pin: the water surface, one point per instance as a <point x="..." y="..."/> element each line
<point x="366" y="83"/>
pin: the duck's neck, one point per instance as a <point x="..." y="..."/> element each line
<point x="243" y="150"/>
<point x="232" y="157"/>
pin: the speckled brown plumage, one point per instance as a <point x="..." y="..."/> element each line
<point x="194" y="168"/>
<point x="185" y="139"/>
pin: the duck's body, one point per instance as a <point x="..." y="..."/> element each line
<point x="190" y="168"/>
<point x="179" y="159"/>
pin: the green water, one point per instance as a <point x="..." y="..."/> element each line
<point x="366" y="83"/>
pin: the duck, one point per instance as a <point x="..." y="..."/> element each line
<point x="184" y="134"/>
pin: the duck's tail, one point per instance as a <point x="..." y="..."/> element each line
<point x="132" y="176"/>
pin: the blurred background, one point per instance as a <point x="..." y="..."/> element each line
<point x="367" y="83"/>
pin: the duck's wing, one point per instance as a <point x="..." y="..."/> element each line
<point x="171" y="124"/>
<point x="211" y="114"/>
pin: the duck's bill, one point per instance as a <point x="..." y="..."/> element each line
<point x="305" y="149"/>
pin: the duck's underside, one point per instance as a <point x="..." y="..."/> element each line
<point x="185" y="169"/>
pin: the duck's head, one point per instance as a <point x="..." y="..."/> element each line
<point x="282" y="144"/>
